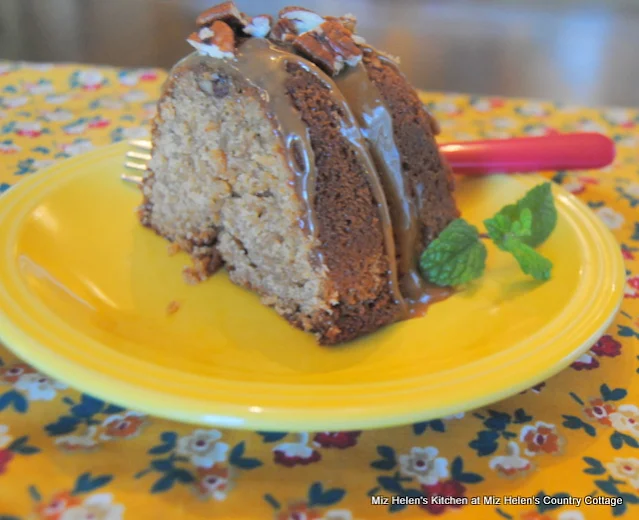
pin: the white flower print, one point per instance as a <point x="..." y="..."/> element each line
<point x="5" y="438"/>
<point x="617" y="116"/>
<point x="58" y="115"/>
<point x="203" y="448"/>
<point x="9" y="148"/>
<point x="532" y="108"/>
<point x="95" y="507"/>
<point x="39" y="387"/>
<point x="40" y="88"/>
<point x="14" y="101"/>
<point x="424" y="465"/>
<point x="511" y="464"/>
<point x="78" y="147"/>
<point x="57" y="99"/>
<point x="296" y="452"/>
<point x="86" y="441"/>
<point x="134" y="96"/>
<point x="338" y="514"/>
<point x="610" y="217"/>
<point x="90" y="78"/>
<point x="626" y="470"/>
<point x="571" y="514"/>
<point x="136" y="132"/>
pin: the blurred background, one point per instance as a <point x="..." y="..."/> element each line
<point x="577" y="51"/>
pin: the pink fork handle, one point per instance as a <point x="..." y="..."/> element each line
<point x="578" y="151"/>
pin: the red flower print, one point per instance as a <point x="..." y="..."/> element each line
<point x="281" y="457"/>
<point x="299" y="511"/>
<point x="122" y="426"/>
<point x="627" y="254"/>
<point x="291" y="454"/>
<point x="11" y="373"/>
<point x="585" y="362"/>
<point x="607" y="346"/>
<point x="600" y="411"/>
<point x="99" y="123"/>
<point x="29" y="133"/>
<point x="534" y="515"/>
<point x="627" y="124"/>
<point x="446" y="488"/>
<point x="148" y="76"/>
<point x="541" y="438"/>
<point x="497" y="103"/>
<point x="59" y="503"/>
<point x="339" y="440"/>
<point x="5" y="458"/>
<point x="212" y="482"/>
<point x="632" y="287"/>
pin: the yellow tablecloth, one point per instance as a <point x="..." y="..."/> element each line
<point x="67" y="456"/>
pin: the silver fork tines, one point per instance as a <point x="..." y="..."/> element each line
<point x="138" y="162"/>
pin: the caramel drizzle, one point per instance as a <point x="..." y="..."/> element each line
<point x="263" y="64"/>
<point x="376" y="125"/>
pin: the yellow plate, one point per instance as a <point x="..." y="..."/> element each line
<point x="84" y="292"/>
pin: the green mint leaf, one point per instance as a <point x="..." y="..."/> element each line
<point x="502" y="227"/>
<point x="455" y="257"/>
<point x="523" y="226"/>
<point x="539" y="201"/>
<point x="530" y="261"/>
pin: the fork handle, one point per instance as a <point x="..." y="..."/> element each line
<point x="576" y="151"/>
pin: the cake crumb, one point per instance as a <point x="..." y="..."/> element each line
<point x="173" y="307"/>
<point x="173" y="249"/>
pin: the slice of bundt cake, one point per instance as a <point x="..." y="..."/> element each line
<point x="301" y="159"/>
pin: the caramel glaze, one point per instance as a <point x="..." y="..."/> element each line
<point x="376" y="125"/>
<point x="367" y="125"/>
<point x="262" y="63"/>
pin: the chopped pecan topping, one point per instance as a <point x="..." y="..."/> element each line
<point x="329" y="46"/>
<point x="341" y="41"/>
<point x="314" y="47"/>
<point x="259" y="26"/>
<point x="348" y="21"/>
<point x="283" y="31"/>
<point x="303" y="19"/>
<point x="217" y="41"/>
<point x="225" y="12"/>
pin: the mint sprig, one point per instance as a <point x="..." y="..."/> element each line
<point x="540" y="202"/>
<point x="458" y="256"/>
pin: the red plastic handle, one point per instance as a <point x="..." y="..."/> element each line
<point x="578" y="151"/>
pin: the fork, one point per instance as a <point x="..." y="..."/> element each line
<point x="573" y="151"/>
<point x="133" y="159"/>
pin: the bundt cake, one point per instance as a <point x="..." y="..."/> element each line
<point x="302" y="160"/>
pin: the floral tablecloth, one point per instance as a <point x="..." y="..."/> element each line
<point x="567" y="449"/>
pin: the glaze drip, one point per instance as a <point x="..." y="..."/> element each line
<point x="376" y="125"/>
<point x="263" y="64"/>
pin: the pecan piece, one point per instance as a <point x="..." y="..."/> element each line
<point x="283" y="31"/>
<point x="217" y="41"/>
<point x="303" y="19"/>
<point x="314" y="47"/>
<point x="259" y="26"/>
<point x="341" y="41"/>
<point x="225" y="12"/>
<point x="348" y="21"/>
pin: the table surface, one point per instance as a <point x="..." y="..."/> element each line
<point x="67" y="456"/>
<point x="581" y="51"/>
